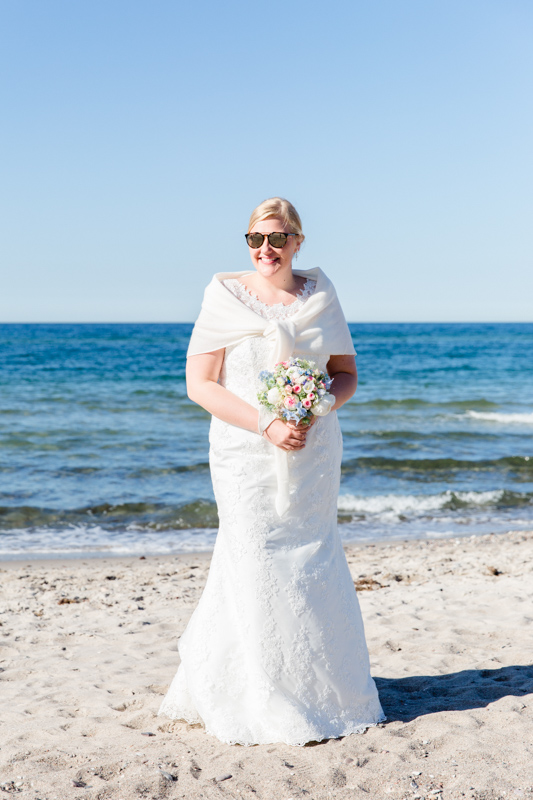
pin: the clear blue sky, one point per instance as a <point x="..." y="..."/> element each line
<point x="136" y="138"/>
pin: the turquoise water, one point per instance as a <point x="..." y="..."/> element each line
<point x="102" y="452"/>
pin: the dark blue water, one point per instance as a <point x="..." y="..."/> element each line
<point x="101" y="451"/>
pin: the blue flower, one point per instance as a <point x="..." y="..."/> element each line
<point x="292" y="415"/>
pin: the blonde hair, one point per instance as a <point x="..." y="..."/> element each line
<point x="282" y="209"/>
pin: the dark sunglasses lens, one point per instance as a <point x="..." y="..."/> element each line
<point x="255" y="240"/>
<point x="278" y="239"/>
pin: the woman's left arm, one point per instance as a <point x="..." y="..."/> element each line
<point x="344" y="372"/>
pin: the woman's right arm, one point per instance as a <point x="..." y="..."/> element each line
<point x="203" y="372"/>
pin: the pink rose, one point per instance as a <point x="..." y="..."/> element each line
<point x="307" y="403"/>
<point x="311" y="396"/>
<point x="289" y="402"/>
<point x="284" y="364"/>
<point x="297" y="388"/>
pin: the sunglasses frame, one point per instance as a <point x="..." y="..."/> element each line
<point x="267" y="236"/>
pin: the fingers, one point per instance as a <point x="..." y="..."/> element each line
<point x="300" y="431"/>
<point x="296" y="440"/>
<point x="296" y="444"/>
<point x="297" y="436"/>
<point x="293" y="443"/>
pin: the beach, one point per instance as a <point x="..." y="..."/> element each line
<point x="89" y="647"/>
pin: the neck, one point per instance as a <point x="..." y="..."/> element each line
<point x="283" y="281"/>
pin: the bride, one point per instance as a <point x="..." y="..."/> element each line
<point x="275" y="650"/>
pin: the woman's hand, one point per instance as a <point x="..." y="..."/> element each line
<point x="287" y="435"/>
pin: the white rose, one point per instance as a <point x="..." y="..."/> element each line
<point x="294" y="373"/>
<point x="324" y="405"/>
<point x="274" y="396"/>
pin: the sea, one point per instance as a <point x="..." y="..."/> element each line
<point x="102" y="453"/>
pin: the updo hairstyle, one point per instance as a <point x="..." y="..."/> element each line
<point x="282" y="209"/>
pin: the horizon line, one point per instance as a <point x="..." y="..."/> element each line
<point x="349" y="322"/>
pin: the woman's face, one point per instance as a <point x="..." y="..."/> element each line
<point x="270" y="260"/>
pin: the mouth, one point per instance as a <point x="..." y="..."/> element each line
<point x="265" y="260"/>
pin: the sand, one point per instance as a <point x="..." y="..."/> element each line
<point x="88" y="648"/>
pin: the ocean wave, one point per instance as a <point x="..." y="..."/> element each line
<point x="426" y="466"/>
<point x="414" y="505"/>
<point x="159" y="519"/>
<point x="134" y="529"/>
<point x="402" y="435"/>
<point x="121" y="516"/>
<point x="417" y="402"/>
<point x="496" y="416"/>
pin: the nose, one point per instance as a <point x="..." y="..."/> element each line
<point x="266" y="247"/>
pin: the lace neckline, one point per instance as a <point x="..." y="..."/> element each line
<point x="275" y="311"/>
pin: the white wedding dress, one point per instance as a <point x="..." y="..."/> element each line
<point x="275" y="650"/>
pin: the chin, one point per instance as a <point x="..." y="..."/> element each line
<point x="279" y="266"/>
<point x="267" y="269"/>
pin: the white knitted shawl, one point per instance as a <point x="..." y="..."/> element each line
<point x="317" y="328"/>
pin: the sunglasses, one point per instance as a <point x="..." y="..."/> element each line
<point x="277" y="240"/>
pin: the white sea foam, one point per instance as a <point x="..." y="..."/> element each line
<point x="391" y="505"/>
<point x="97" y="541"/>
<point x="505" y="419"/>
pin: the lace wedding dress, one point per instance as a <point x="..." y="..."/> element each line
<point x="275" y="650"/>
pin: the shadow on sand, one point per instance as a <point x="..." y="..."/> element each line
<point x="406" y="699"/>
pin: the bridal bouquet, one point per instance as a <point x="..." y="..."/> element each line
<point x="296" y="390"/>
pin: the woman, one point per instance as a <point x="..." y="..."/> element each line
<point x="275" y="650"/>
